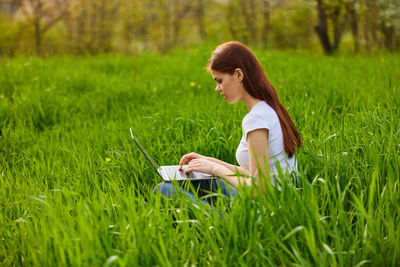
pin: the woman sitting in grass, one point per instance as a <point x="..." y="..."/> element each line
<point x="269" y="134"/>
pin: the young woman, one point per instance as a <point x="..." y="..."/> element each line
<point x="269" y="134"/>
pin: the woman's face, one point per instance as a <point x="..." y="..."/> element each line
<point x="229" y="85"/>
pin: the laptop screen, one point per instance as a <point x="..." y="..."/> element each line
<point x="144" y="151"/>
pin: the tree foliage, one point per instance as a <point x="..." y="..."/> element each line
<point x="101" y="26"/>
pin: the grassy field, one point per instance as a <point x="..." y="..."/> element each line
<point x="75" y="190"/>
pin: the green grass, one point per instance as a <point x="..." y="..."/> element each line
<point x="62" y="203"/>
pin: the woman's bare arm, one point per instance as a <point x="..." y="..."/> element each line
<point x="229" y="166"/>
<point x="257" y="142"/>
<point x="232" y="168"/>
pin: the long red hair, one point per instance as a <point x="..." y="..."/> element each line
<point x="232" y="55"/>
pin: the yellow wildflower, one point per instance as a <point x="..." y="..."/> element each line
<point x="108" y="159"/>
<point x="192" y="84"/>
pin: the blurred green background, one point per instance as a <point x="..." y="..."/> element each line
<point x="46" y="27"/>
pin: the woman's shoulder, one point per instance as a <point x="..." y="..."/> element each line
<point x="262" y="112"/>
<point x="260" y="116"/>
<point x="262" y="109"/>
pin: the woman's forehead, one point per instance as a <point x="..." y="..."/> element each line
<point x="216" y="74"/>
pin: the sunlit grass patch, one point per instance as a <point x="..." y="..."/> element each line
<point x="75" y="190"/>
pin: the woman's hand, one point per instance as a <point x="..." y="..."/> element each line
<point x="201" y="165"/>
<point x="188" y="157"/>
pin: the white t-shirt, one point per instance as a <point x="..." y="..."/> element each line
<point x="262" y="116"/>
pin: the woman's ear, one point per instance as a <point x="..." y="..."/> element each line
<point x="239" y="75"/>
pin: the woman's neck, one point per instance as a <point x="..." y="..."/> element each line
<point x="250" y="101"/>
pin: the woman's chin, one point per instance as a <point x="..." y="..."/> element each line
<point x="232" y="101"/>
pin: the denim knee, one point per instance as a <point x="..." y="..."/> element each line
<point x="165" y="189"/>
<point x="226" y="188"/>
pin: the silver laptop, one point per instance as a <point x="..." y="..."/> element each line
<point x="171" y="172"/>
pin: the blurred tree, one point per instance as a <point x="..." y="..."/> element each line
<point x="231" y="13"/>
<point x="330" y="10"/>
<point x="99" y="26"/>
<point x="351" y="10"/>
<point x="250" y="18"/>
<point x="43" y="14"/>
<point x="200" y="13"/>
<point x="180" y="10"/>
<point x="379" y="19"/>
<point x="266" y="10"/>
<point x="90" y="25"/>
<point x="9" y="32"/>
<point x="136" y="19"/>
<point x="158" y="24"/>
<point x="370" y="20"/>
<point x="9" y="7"/>
<point x="379" y="23"/>
<point x="389" y="23"/>
<point x="292" y="25"/>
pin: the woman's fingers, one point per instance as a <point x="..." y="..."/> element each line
<point x="184" y="159"/>
<point x="189" y="167"/>
<point x="192" y="166"/>
<point x="187" y="158"/>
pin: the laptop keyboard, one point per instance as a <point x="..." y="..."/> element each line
<point x="175" y="174"/>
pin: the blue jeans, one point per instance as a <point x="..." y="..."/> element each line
<point x="203" y="188"/>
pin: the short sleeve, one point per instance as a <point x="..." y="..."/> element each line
<point x="253" y="122"/>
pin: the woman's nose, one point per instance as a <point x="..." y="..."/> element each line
<point x="218" y="89"/>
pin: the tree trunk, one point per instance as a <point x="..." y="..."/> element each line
<point x="389" y="36"/>
<point x="38" y="37"/>
<point x="322" y="29"/>
<point x="176" y="21"/>
<point x="266" y="25"/>
<point x="351" y="10"/>
<point x="248" y="14"/>
<point x="200" y="19"/>
<point x="229" y="17"/>
<point x="253" y="21"/>
<point x="102" y="27"/>
<point x="166" y="20"/>
<point x="370" y="27"/>
<point x="337" y="26"/>
<point x="37" y="17"/>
